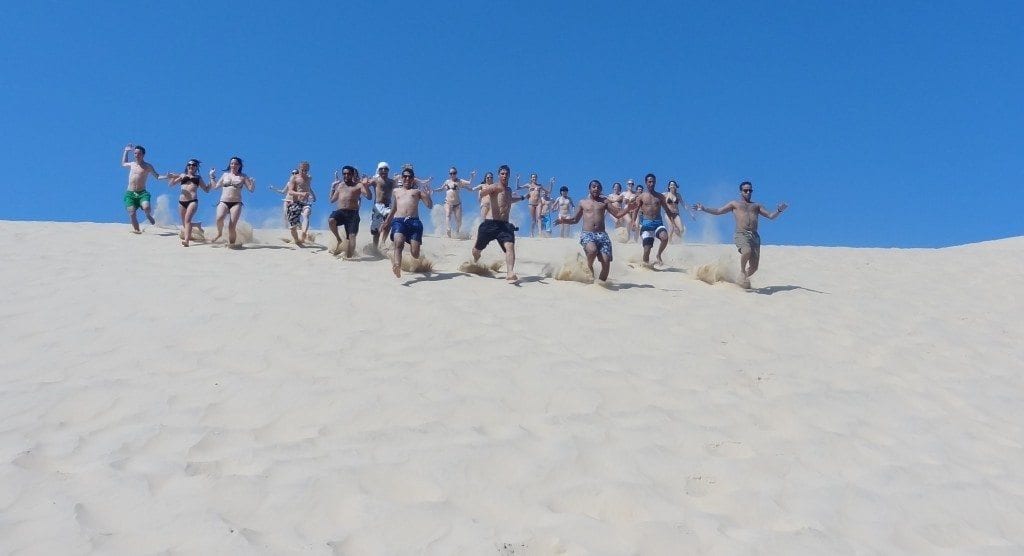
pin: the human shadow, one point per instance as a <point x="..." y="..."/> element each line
<point x="616" y="286"/>
<point x="434" y="277"/>
<point x="252" y="246"/>
<point x="770" y="290"/>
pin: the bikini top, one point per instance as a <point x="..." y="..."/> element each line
<point x="189" y="179"/>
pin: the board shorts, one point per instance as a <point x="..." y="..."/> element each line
<point x="604" y="243"/>
<point x="494" y="230"/>
<point x="295" y="213"/>
<point x="650" y="228"/>
<point x="545" y="222"/>
<point x="750" y="241"/>
<point x="380" y="212"/>
<point x="348" y="218"/>
<point x="409" y="226"/>
<point x="134" y="199"/>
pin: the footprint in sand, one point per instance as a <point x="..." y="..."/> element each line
<point x="728" y="449"/>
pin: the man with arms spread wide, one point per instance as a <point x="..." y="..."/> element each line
<point x="746" y="213"/>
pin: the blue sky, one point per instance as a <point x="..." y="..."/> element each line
<point x="880" y="123"/>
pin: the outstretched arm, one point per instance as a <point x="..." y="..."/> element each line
<point x="773" y="215"/>
<point x="621" y="211"/>
<point x="717" y="212"/>
<point x="124" y="158"/>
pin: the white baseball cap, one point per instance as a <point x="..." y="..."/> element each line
<point x="383" y="164"/>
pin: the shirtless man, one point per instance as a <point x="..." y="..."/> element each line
<point x="545" y="214"/>
<point x="404" y="221"/>
<point x="383" y="186"/>
<point x="594" y="239"/>
<point x="498" y="228"/>
<point x="346" y="193"/>
<point x="298" y="194"/>
<point x="564" y="205"/>
<point x="452" y="199"/>
<point x="534" y="196"/>
<point x="747" y="240"/>
<point x="136" y="196"/>
<point x="615" y="201"/>
<point x="628" y="196"/>
<point x="651" y="203"/>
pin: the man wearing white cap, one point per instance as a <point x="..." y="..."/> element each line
<point x="383" y="186"/>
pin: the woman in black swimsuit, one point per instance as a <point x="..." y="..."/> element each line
<point x="231" y="183"/>
<point x="673" y="200"/>
<point x="188" y="201"/>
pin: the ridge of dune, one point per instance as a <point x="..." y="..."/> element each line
<point x="158" y="399"/>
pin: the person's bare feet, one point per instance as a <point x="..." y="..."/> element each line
<point x="135" y="231"/>
<point x="397" y="269"/>
<point x="151" y="219"/>
<point x="184" y="243"/>
<point x="512" y="279"/>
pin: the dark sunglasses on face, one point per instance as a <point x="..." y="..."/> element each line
<point x="747" y="190"/>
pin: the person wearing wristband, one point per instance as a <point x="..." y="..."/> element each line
<point x="746" y="213"/>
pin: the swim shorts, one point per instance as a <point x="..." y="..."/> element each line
<point x="380" y="212"/>
<point x="494" y="230"/>
<point x="650" y="228"/>
<point x="134" y="199"/>
<point x="349" y="218"/>
<point x="747" y="240"/>
<point x="604" y="243"/>
<point x="295" y="213"/>
<point x="409" y="226"/>
<point x="545" y="222"/>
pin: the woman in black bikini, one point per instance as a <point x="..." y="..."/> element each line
<point x="231" y="183"/>
<point x="188" y="201"/>
<point x="673" y="199"/>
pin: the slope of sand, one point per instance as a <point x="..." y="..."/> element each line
<point x="157" y="399"/>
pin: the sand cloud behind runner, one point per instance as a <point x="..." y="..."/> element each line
<point x="161" y="211"/>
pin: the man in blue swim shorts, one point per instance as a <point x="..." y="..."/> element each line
<point x="404" y="219"/>
<point x="594" y="239"/>
<point x="651" y="225"/>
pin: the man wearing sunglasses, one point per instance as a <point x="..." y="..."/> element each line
<point x="404" y="221"/>
<point x="746" y="213"/>
<point x="347" y="192"/>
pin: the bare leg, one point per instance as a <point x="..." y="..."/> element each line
<point x="305" y="222"/>
<point x="148" y="211"/>
<point x="134" y="220"/>
<point x="333" y="225"/>
<point x="222" y="211"/>
<point x="190" y="212"/>
<point x="591" y="251"/>
<point x="534" y="220"/>
<point x="414" y="249"/>
<point x="476" y="254"/>
<point x="351" y="247"/>
<point x="448" y="218"/>
<point x="606" y="263"/>
<point x="458" y="219"/>
<point x="510" y="262"/>
<point x="236" y="215"/>
<point x="396" y="255"/>
<point x="663" y="238"/>
<point x="647" y="253"/>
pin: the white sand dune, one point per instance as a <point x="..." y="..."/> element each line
<point x="158" y="399"/>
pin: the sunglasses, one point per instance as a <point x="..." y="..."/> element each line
<point x="406" y="176"/>
<point x="346" y="173"/>
<point x="746" y="190"/>
<point x="190" y="164"/>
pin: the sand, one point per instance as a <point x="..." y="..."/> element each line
<point x="277" y="400"/>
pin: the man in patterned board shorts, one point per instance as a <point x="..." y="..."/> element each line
<point x="594" y="239"/>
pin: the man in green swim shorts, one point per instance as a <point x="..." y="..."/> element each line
<point x="136" y="196"/>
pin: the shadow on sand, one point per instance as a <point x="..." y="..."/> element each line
<point x="769" y="290"/>
<point x="434" y="277"/>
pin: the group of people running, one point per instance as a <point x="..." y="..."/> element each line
<point x="396" y="200"/>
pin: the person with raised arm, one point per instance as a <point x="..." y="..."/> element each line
<point x="534" y="196"/>
<point x="452" y="199"/>
<point x="230" y="183"/>
<point x="136" y="196"/>
<point x="594" y="239"/>
<point x="628" y="196"/>
<point x="564" y="205"/>
<point x="188" y="201"/>
<point x="299" y="195"/>
<point x="347" y="193"/>
<point x="746" y="212"/>
<point x="404" y="221"/>
<point x="675" y="200"/>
